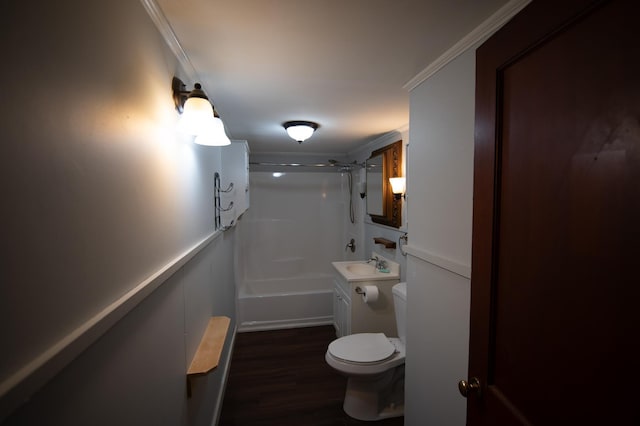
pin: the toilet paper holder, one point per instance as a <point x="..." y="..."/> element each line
<point x="369" y="293"/>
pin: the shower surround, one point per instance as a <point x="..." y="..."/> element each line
<point x="288" y="239"/>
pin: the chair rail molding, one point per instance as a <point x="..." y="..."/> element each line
<point x="35" y="373"/>
<point x="456" y="267"/>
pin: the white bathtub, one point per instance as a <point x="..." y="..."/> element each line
<point x="285" y="303"/>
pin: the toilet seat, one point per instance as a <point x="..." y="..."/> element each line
<point x="362" y="348"/>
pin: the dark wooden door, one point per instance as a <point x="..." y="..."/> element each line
<point x="555" y="317"/>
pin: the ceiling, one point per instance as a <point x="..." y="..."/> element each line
<point x="340" y="63"/>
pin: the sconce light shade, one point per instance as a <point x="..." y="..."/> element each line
<point x="397" y="186"/>
<point x="196" y="117"/>
<point x="213" y="134"/>
<point x="197" y="112"/>
<point x="300" y="130"/>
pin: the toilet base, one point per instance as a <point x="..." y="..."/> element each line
<point x="365" y="401"/>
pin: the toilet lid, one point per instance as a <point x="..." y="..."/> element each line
<point x="362" y="347"/>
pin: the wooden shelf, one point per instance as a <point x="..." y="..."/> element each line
<point x="386" y="243"/>
<point x="208" y="354"/>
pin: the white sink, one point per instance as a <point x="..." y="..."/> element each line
<point x="360" y="270"/>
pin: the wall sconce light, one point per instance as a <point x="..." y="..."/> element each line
<point x="199" y="118"/>
<point x="213" y="133"/>
<point x="300" y="130"/>
<point x="397" y="187"/>
<point x="362" y="184"/>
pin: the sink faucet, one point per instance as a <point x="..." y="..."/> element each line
<point x="380" y="263"/>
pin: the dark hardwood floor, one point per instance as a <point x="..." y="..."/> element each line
<point x="281" y="378"/>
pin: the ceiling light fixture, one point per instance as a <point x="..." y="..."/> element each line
<point x="300" y="130"/>
<point x="199" y="117"/>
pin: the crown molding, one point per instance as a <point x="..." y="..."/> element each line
<point x="162" y="24"/>
<point x="378" y="142"/>
<point x="481" y="32"/>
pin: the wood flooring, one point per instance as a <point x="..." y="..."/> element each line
<point x="281" y="378"/>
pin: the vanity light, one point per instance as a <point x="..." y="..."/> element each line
<point x="199" y="118"/>
<point x="213" y="134"/>
<point x="397" y="187"/>
<point x="300" y="130"/>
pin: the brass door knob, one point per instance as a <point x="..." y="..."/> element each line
<point x="473" y="385"/>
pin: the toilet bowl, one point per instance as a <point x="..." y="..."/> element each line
<point x="374" y="366"/>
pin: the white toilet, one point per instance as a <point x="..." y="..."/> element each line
<point x="374" y="364"/>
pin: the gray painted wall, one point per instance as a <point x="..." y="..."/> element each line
<point x="99" y="193"/>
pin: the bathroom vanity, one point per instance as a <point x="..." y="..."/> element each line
<point x="351" y="313"/>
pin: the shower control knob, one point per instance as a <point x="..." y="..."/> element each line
<point x="473" y="385"/>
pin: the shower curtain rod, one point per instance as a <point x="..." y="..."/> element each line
<point x="289" y="164"/>
<point x="340" y="165"/>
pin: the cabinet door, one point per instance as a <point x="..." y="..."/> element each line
<point x="341" y="312"/>
<point x="235" y="169"/>
<point x="346" y="315"/>
<point x="337" y="319"/>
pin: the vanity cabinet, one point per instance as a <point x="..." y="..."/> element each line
<point x="352" y="315"/>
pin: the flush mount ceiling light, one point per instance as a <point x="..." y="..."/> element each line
<point x="300" y="130"/>
<point x="199" y="117"/>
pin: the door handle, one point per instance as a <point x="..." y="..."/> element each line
<point x="473" y="385"/>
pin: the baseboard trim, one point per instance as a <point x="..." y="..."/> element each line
<point x="225" y="375"/>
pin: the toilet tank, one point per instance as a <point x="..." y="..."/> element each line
<point x="400" y="305"/>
